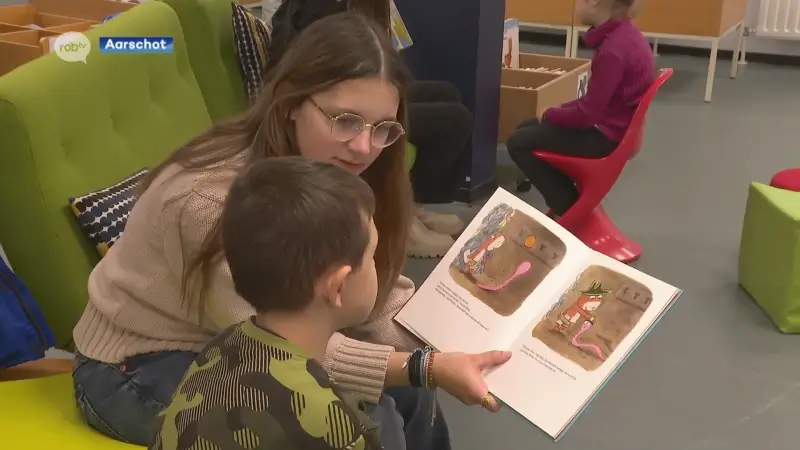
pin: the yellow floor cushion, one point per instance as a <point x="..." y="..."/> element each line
<point x="41" y="414"/>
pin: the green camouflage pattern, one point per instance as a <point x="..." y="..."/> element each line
<point x="250" y="389"/>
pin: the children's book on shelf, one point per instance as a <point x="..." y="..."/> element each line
<point x="516" y="280"/>
<point x="400" y="37"/>
<point x="511" y="44"/>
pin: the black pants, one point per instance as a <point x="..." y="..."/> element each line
<point x="558" y="190"/>
<point x="440" y="126"/>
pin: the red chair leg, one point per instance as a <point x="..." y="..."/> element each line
<point x="598" y="231"/>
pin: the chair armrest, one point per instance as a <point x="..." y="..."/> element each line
<point x="44" y="367"/>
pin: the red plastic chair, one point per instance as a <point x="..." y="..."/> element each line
<point x="595" y="177"/>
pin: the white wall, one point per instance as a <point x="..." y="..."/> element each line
<point x="754" y="43"/>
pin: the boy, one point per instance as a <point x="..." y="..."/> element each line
<point x="299" y="239"/>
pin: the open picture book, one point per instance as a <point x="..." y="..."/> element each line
<point x="515" y="280"/>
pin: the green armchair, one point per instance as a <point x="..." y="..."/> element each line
<point x="71" y="128"/>
<point x="411" y="155"/>
<point x="207" y="27"/>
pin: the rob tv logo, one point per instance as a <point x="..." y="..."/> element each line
<point x="74" y="47"/>
<point x="71" y="47"/>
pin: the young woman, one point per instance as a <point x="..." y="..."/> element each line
<point x="165" y="289"/>
<point x="440" y="126"/>
<point x="591" y="127"/>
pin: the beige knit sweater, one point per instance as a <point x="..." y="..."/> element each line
<point x="135" y="303"/>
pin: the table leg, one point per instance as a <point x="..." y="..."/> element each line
<point x="568" y="47"/>
<point x="655" y="47"/>
<point x="743" y="59"/>
<point x="576" y="38"/>
<point x="737" y="51"/>
<point x="712" y="69"/>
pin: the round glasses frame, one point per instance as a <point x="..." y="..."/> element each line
<point x="334" y="119"/>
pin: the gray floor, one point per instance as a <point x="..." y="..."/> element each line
<point x="715" y="374"/>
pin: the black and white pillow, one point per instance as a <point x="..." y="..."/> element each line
<point x="102" y="214"/>
<point x="251" y="35"/>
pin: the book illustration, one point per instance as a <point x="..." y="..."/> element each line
<point x="506" y="259"/>
<point x="507" y="57"/>
<point x="590" y="347"/>
<point x="583" y="84"/>
<point x="511" y="44"/>
<point x="591" y="319"/>
<point x="401" y="39"/>
<point x="523" y="268"/>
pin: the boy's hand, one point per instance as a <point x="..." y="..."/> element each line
<point x="461" y="375"/>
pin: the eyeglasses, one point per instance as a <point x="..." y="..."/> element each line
<point x="347" y="126"/>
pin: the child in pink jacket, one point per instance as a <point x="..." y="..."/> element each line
<point x="592" y="126"/>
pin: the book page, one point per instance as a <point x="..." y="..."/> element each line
<point x="400" y="37"/>
<point x="565" y="356"/>
<point x="509" y="264"/>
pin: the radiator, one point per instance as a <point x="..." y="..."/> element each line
<point x="779" y="19"/>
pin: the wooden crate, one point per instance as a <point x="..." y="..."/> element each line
<point x="91" y="10"/>
<point x="6" y="28"/>
<point x="28" y="16"/>
<point x="524" y="93"/>
<point x="20" y="47"/>
<point x="533" y="60"/>
<point x="27" y="37"/>
<point x="549" y="12"/>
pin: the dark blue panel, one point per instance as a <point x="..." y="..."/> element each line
<point x="461" y="41"/>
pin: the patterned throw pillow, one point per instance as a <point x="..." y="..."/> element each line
<point x="252" y="38"/>
<point x="102" y="214"/>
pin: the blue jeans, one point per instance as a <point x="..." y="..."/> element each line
<point x="122" y="401"/>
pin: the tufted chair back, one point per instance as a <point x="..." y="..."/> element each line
<point x="70" y="128"/>
<point x="208" y="27"/>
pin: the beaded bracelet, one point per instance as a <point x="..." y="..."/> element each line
<point x="425" y="363"/>
<point x="420" y="365"/>
<point x="413" y="365"/>
<point x="430" y="383"/>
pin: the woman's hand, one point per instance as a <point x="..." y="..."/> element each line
<point x="461" y="375"/>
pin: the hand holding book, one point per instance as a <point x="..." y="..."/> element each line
<point x="461" y="375"/>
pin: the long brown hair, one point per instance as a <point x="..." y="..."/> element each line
<point x="340" y="47"/>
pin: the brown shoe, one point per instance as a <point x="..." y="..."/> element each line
<point x="426" y="243"/>
<point x="448" y="224"/>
